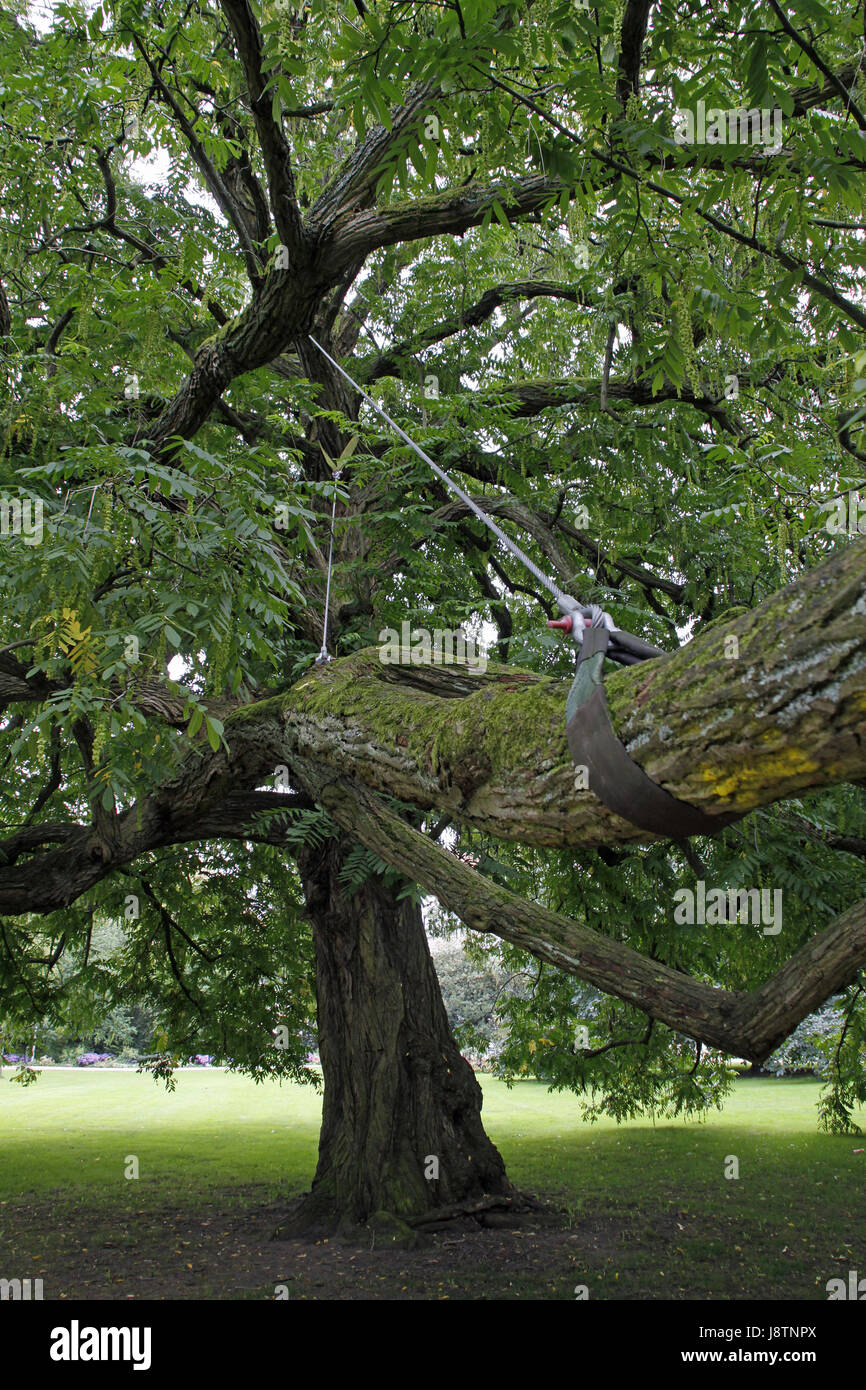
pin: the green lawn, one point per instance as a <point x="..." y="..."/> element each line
<point x="650" y="1204"/>
<point x="216" y="1130"/>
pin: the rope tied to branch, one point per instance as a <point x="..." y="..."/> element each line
<point x="323" y="656"/>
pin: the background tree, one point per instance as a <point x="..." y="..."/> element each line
<point x="642" y="355"/>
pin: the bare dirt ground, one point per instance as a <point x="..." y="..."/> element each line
<point x="228" y="1253"/>
<point x="211" y="1254"/>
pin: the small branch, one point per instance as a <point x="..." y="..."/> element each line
<point x="273" y="143"/>
<point x="205" y="164"/>
<point x="818" y="62"/>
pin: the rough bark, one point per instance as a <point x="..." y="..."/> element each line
<point x="398" y="1094"/>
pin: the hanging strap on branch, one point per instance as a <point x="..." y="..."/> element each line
<point x="619" y="782"/>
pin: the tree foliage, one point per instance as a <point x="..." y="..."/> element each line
<point x="645" y="356"/>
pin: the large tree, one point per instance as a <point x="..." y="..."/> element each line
<point x="639" y="354"/>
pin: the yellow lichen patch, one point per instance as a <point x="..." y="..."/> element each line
<point x="771" y="736"/>
<point x="763" y="770"/>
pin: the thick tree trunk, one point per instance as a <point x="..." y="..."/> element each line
<point x="400" y="1102"/>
